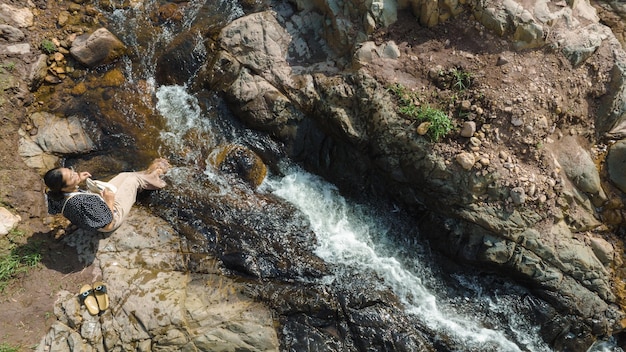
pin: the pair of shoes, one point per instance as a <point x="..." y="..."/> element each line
<point x="94" y="298"/>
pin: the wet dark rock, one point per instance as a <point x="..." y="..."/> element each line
<point x="181" y="59"/>
<point x="301" y="333"/>
<point x="616" y="162"/>
<point x="257" y="235"/>
<point x="243" y="263"/>
<point x="169" y="12"/>
<point x="242" y="162"/>
<point x="372" y="325"/>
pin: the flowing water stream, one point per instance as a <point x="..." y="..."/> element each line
<point x="356" y="238"/>
<point x="353" y="237"/>
<point x="360" y="238"/>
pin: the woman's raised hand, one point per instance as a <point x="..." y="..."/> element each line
<point x="84" y="175"/>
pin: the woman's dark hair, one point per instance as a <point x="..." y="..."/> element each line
<point x="54" y="180"/>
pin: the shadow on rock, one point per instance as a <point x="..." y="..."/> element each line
<point x="71" y="253"/>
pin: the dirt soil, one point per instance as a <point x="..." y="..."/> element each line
<point x="26" y="305"/>
<point x="519" y="99"/>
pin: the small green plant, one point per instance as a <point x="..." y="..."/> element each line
<point x="14" y="234"/>
<point x="17" y="261"/>
<point x="461" y="79"/>
<point x="406" y="99"/>
<point x="9" y="267"/>
<point x="8" y="66"/>
<point x="47" y="46"/>
<point x="4" y="347"/>
<point x="440" y="123"/>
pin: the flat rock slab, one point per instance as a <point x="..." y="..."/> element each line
<point x="155" y="302"/>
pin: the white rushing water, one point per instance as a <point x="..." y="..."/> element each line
<point x="347" y="241"/>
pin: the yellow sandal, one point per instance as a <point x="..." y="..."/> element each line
<point x="86" y="297"/>
<point x="100" y="291"/>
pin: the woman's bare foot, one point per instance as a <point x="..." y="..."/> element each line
<point x="157" y="168"/>
<point x="160" y="165"/>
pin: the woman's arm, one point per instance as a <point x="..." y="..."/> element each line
<point x="109" y="199"/>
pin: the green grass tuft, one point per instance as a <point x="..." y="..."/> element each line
<point x="4" y="347"/>
<point x="18" y="260"/>
<point x="47" y="46"/>
<point x="440" y="123"/>
<point x="461" y="79"/>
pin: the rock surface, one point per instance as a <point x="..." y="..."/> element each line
<point x="8" y="221"/>
<point x="155" y="302"/>
<point x="98" y="48"/>
<point x="55" y="137"/>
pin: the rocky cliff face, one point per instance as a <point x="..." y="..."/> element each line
<point x="529" y="181"/>
<point x="524" y="190"/>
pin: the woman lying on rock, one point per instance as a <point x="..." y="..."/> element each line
<point x="105" y="209"/>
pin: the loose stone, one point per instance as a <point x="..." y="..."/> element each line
<point x="518" y="195"/>
<point x="468" y="129"/>
<point x="63" y="18"/>
<point x="532" y="189"/>
<point x="58" y="57"/>
<point x="11" y="33"/>
<point x="466" y="160"/>
<point x="422" y="129"/>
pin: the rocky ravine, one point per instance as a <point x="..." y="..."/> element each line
<point x="524" y="176"/>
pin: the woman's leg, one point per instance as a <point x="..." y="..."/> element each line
<point x="129" y="183"/>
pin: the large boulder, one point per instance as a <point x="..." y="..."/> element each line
<point x="51" y="137"/>
<point x="579" y="167"/>
<point x="98" y="48"/>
